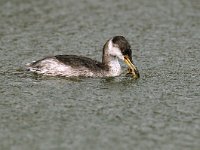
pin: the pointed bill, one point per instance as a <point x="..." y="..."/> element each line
<point x="132" y="69"/>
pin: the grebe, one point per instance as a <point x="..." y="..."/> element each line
<point x="72" y="65"/>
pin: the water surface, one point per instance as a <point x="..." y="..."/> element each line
<point x="161" y="110"/>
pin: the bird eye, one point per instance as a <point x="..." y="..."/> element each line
<point x="127" y="52"/>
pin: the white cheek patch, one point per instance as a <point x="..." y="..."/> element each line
<point x="114" y="51"/>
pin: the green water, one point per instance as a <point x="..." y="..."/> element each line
<point x="160" y="111"/>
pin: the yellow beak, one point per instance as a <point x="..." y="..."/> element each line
<point x="132" y="68"/>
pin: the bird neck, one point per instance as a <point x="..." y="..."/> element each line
<point x="112" y="63"/>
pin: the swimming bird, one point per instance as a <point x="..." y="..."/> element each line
<point x="71" y="65"/>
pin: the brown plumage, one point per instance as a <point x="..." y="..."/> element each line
<point x="72" y="65"/>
